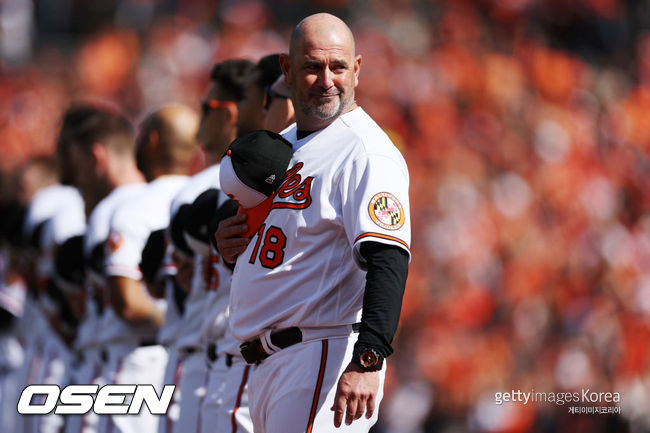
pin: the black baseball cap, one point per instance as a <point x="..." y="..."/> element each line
<point x="254" y="167"/>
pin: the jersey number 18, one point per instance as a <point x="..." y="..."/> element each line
<point x="272" y="252"/>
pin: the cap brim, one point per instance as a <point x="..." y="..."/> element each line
<point x="256" y="215"/>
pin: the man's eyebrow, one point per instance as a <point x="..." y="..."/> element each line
<point x="340" y="62"/>
<point x="313" y="62"/>
<point x="318" y="62"/>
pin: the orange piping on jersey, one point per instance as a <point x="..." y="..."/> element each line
<point x="286" y="205"/>
<point x="319" y="384"/>
<point x="382" y="236"/>
<point x="239" y="395"/>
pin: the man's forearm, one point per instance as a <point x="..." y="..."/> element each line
<point x="131" y="303"/>
<point x="382" y="300"/>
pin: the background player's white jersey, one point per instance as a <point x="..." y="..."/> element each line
<point x="96" y="234"/>
<point x="185" y="331"/>
<point x="60" y="211"/>
<point x="215" y="316"/>
<point x="170" y="329"/>
<point x="346" y="184"/>
<point x="131" y="224"/>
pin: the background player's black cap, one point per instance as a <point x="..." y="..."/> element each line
<point x="69" y="270"/>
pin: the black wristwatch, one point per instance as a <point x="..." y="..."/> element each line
<point x="368" y="358"/>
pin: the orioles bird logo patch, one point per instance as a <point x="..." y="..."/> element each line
<point x="386" y="211"/>
<point x="114" y="242"/>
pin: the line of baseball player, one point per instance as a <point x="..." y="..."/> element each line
<point x="137" y="292"/>
<point x="117" y="280"/>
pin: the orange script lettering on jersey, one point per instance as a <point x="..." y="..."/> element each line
<point x="294" y="187"/>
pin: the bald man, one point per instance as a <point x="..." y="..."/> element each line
<point x="165" y="148"/>
<point x="316" y="293"/>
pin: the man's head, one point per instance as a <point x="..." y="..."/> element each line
<point x="166" y="141"/>
<point x="253" y="106"/>
<point x="94" y="142"/>
<point x="37" y="173"/>
<point x="219" y="114"/>
<point x="279" y="108"/>
<point x="322" y="70"/>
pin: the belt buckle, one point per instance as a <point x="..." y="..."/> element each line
<point x="253" y="352"/>
<point x="247" y="353"/>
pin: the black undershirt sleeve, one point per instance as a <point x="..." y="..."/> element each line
<point x="382" y="298"/>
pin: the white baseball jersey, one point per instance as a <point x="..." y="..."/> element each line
<point x="172" y="329"/>
<point x="346" y="184"/>
<point x="12" y="293"/>
<point x="60" y="209"/>
<point x="63" y="213"/>
<point x="131" y="224"/>
<point x="226" y="398"/>
<point x="189" y="326"/>
<point x="96" y="234"/>
<point x="215" y="320"/>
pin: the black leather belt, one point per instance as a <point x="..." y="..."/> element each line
<point x="211" y="352"/>
<point x="212" y="355"/>
<point x="254" y="353"/>
<point x="190" y="350"/>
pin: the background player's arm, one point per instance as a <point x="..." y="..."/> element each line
<point x="132" y="304"/>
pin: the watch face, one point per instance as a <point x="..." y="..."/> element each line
<point x="368" y="359"/>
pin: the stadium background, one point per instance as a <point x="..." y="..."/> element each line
<point x="526" y="128"/>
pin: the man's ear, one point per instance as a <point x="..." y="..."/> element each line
<point x="357" y="69"/>
<point x="233" y="113"/>
<point x="154" y="141"/>
<point x="285" y="64"/>
<point x="100" y="157"/>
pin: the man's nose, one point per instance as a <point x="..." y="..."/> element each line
<point x="326" y="78"/>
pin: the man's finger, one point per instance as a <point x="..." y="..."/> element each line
<point x="361" y="408"/>
<point x="226" y="244"/>
<point x="370" y="406"/>
<point x="228" y="232"/>
<point x="339" y="408"/>
<point x="233" y="220"/>
<point x="351" y="411"/>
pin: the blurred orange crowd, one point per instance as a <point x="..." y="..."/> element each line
<point x="530" y="172"/>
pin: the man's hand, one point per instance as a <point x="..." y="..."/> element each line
<point x="184" y="271"/>
<point x="356" y="391"/>
<point x="229" y="242"/>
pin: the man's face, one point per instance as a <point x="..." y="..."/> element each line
<point x="251" y="107"/>
<point x="323" y="75"/>
<point x="218" y="128"/>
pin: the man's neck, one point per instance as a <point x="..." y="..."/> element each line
<point x="127" y="176"/>
<point x="310" y="125"/>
